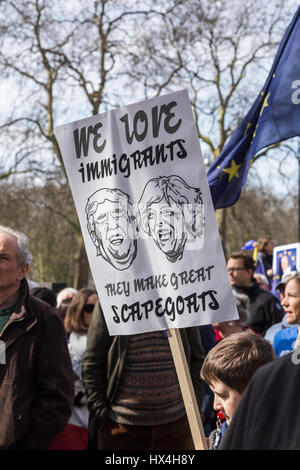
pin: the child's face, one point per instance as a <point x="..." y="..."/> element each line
<point x="226" y="399"/>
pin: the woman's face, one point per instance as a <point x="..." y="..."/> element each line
<point x="291" y="302"/>
<point x="269" y="247"/>
<point x="88" y="313"/>
<point x="166" y="224"/>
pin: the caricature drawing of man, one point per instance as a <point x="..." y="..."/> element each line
<point x="112" y="226"/>
<point x="171" y="213"/>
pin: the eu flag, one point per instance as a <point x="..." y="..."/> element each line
<point x="274" y="116"/>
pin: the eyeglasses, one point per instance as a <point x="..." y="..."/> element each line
<point x="88" y="308"/>
<point x="233" y="270"/>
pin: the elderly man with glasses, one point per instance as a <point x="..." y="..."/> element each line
<point x="265" y="309"/>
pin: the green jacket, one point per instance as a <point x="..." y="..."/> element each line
<point x="104" y="361"/>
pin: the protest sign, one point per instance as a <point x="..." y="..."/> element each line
<point x="286" y="258"/>
<point x="138" y="181"/>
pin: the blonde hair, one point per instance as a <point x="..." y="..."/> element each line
<point x="74" y="319"/>
<point x="262" y="242"/>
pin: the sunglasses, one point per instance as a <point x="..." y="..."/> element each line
<point x="88" y="308"/>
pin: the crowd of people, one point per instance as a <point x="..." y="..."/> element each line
<point x="66" y="384"/>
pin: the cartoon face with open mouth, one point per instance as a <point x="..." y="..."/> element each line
<point x="171" y="212"/>
<point x="112" y="227"/>
<point x="167" y="227"/>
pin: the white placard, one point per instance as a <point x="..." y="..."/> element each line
<point x="286" y="258"/>
<point x="140" y="189"/>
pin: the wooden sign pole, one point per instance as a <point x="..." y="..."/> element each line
<point x="187" y="389"/>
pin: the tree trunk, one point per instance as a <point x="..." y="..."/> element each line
<point x="221" y="221"/>
<point x="82" y="268"/>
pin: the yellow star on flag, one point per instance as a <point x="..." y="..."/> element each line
<point x="233" y="170"/>
<point x="247" y="128"/>
<point x="265" y="104"/>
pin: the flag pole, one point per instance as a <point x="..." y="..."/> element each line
<point x="298" y="157"/>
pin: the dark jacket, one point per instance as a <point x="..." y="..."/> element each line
<point x="265" y="309"/>
<point x="268" y="414"/>
<point x="36" y="380"/>
<point x="104" y="361"/>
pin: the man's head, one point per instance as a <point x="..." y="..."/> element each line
<point x="112" y="226"/>
<point x="171" y="212"/>
<point x="14" y="260"/>
<point x="229" y="366"/>
<point x="240" y="267"/>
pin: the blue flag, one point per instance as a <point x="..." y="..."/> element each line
<point x="274" y="116"/>
<point x="249" y="245"/>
